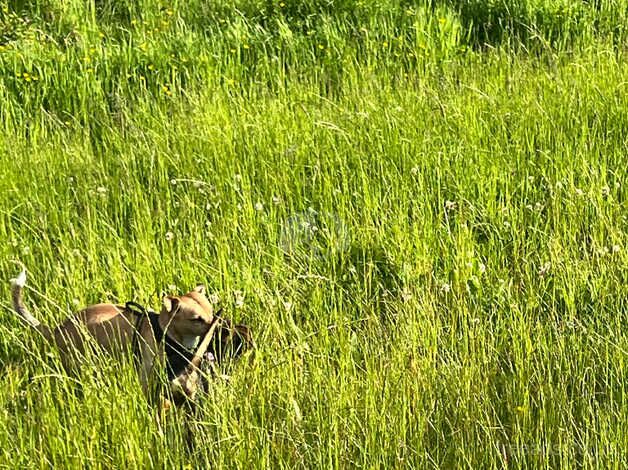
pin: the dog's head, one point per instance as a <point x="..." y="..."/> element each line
<point x="190" y="315"/>
<point x="230" y="340"/>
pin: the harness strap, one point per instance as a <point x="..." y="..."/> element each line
<point x="178" y="357"/>
<point x="140" y="312"/>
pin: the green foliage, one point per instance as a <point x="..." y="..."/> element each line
<point x="419" y="207"/>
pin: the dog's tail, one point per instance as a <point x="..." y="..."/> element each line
<point x="17" y="287"/>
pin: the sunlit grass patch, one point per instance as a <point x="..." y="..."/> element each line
<point x="420" y="209"/>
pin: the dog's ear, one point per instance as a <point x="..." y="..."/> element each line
<point x="170" y="303"/>
<point x="244" y="332"/>
<point x="200" y="289"/>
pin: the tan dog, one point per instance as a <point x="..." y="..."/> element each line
<point x="167" y="338"/>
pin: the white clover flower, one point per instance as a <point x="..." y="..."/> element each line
<point x="239" y="298"/>
<point x="414" y="170"/>
<point x="606" y="191"/>
<point x="445" y="287"/>
<point x="616" y="249"/>
<point x="101" y="190"/>
<point x="406" y="295"/>
<point x="545" y="268"/>
<point x="276" y="200"/>
<point x="237" y="177"/>
<point x="579" y="192"/>
<point x="169" y="236"/>
<point x="173" y="182"/>
<point x="214" y="299"/>
<point x="287" y="305"/>
<point x="259" y="206"/>
<point x="450" y="205"/>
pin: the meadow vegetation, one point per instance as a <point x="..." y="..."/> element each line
<point x="418" y="206"/>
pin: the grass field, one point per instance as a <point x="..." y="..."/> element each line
<point x="419" y="207"/>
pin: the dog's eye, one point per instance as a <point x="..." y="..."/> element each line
<point x="198" y="319"/>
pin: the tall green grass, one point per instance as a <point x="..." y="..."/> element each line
<point x="419" y="207"/>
